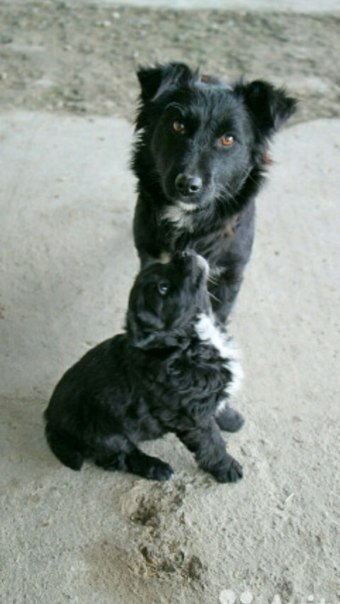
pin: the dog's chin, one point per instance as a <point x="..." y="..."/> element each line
<point x="200" y="276"/>
<point x="196" y="204"/>
<point x="185" y="205"/>
<point x="204" y="266"/>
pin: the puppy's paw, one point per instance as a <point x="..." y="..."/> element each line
<point x="159" y="470"/>
<point x="230" y="420"/>
<point x="229" y="472"/>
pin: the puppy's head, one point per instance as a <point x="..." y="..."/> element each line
<point x="203" y="135"/>
<point x="164" y="300"/>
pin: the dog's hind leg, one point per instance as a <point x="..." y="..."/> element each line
<point x="208" y="446"/>
<point x="65" y="447"/>
<point x="119" y="453"/>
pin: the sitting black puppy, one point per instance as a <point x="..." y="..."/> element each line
<point x="172" y="371"/>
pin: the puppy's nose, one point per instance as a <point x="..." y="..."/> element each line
<point x="188" y="185"/>
<point x="184" y="255"/>
<point x="187" y="253"/>
<point x="184" y="258"/>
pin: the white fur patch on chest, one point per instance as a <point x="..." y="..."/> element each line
<point x="212" y="335"/>
<point x="180" y="216"/>
<point x="209" y="332"/>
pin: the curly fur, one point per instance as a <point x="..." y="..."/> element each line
<point x="172" y="370"/>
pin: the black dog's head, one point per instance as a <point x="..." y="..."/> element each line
<point x="165" y="298"/>
<point x="203" y="137"/>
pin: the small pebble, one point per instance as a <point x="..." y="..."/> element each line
<point x="246" y="597"/>
<point x="310" y="598"/>
<point x="276" y="599"/>
<point x="105" y="23"/>
<point x="227" y="596"/>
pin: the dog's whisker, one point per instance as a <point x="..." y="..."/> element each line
<point x="215" y="298"/>
<point x="225" y="195"/>
<point x="213" y="280"/>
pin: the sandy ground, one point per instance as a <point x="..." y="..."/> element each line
<point x="67" y="262"/>
<point x="61" y="58"/>
<point x="297" y="6"/>
<point x="67" y="265"/>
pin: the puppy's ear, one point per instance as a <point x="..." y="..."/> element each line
<point x="269" y="107"/>
<point x="156" y="80"/>
<point x="143" y="331"/>
<point x="148" y="335"/>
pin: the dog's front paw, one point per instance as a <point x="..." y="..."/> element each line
<point x="159" y="470"/>
<point x="230" y="420"/>
<point x="228" y="472"/>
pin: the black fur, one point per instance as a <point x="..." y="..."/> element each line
<point x="161" y="375"/>
<point x="194" y="192"/>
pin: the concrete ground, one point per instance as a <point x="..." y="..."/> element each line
<point x="66" y="265"/>
<point x="298" y="6"/>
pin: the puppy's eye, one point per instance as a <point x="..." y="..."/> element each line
<point x="162" y="288"/>
<point x="178" y="127"/>
<point x="227" y="140"/>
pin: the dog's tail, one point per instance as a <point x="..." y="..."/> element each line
<point x="65" y="447"/>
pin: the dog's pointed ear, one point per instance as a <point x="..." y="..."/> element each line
<point x="269" y="107"/>
<point x="156" y="80"/>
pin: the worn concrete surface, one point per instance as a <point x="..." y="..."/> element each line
<point x="298" y="6"/>
<point x="67" y="262"/>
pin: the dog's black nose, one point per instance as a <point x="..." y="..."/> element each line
<point x="184" y="258"/>
<point x="188" y="185"/>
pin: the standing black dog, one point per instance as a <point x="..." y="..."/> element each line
<point x="200" y="159"/>
<point x="172" y="371"/>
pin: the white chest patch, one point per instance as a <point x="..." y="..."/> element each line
<point x="180" y="215"/>
<point x="212" y="335"/>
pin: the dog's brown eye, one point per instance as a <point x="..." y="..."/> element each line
<point x="227" y="140"/>
<point x="178" y="127"/>
<point x="163" y="287"/>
